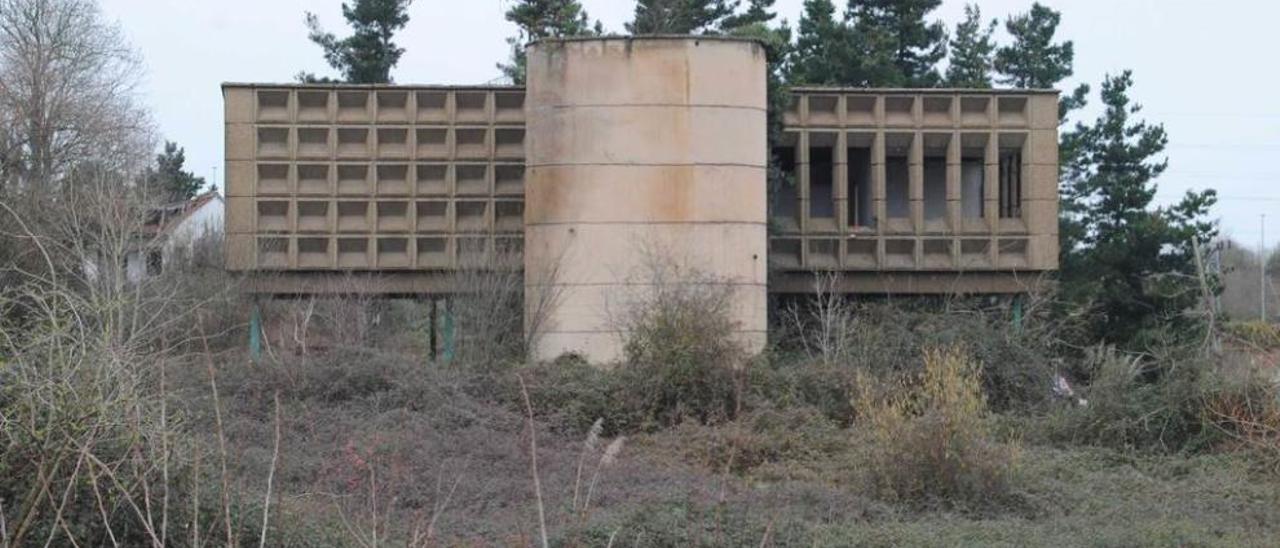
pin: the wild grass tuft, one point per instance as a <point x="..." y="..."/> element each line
<point x="928" y="440"/>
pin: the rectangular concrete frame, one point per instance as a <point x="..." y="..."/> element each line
<point x="387" y="183"/>
<point x="916" y="255"/>
<point x="324" y="179"/>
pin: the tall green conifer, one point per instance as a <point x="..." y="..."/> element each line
<point x="539" y="19"/>
<point x="679" y="16"/>
<point x="1128" y="264"/>
<point x="367" y="56"/>
<point x="972" y="51"/>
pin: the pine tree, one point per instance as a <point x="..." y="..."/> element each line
<point x="678" y="16"/>
<point x="822" y="52"/>
<point x="896" y="45"/>
<point x="367" y="56"/>
<point x="971" y="51"/>
<point x="758" y="11"/>
<point x="1033" y="60"/>
<point x="169" y="178"/>
<point x="1127" y="263"/>
<point x="539" y="19"/>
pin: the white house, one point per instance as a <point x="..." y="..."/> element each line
<point x="172" y="232"/>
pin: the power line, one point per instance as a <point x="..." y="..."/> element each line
<point x="1232" y="198"/>
<point x="1204" y="175"/>
<point x="1241" y="147"/>
<point x="1155" y="114"/>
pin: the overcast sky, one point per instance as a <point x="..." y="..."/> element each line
<point x="1203" y="69"/>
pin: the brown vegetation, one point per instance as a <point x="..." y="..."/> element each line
<point x="131" y="415"/>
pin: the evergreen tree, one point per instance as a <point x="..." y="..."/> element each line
<point x="678" y="16"/>
<point x="1128" y="264"/>
<point x="758" y="11"/>
<point x="878" y="43"/>
<point x="897" y="47"/>
<point x="823" y="50"/>
<point x="539" y="19"/>
<point x="1033" y="60"/>
<point x="971" y="51"/>
<point x="169" y="178"/>
<point x="367" y="56"/>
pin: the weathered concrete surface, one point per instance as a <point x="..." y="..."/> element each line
<point x="374" y="169"/>
<point x="959" y="227"/>
<point x="663" y="167"/>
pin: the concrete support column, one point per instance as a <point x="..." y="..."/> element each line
<point x="665" y="166"/>
<point x="915" y="183"/>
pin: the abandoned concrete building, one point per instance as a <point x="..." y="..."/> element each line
<point x="623" y="149"/>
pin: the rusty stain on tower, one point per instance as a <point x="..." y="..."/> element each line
<point x="622" y="145"/>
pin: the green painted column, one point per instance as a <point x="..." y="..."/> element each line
<point x="255" y="332"/>
<point x="1017" y="312"/>
<point x="447" y="332"/>
<point x="431" y="331"/>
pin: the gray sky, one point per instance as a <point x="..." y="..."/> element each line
<point x="1199" y="69"/>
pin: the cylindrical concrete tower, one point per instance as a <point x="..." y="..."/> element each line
<point x="641" y="152"/>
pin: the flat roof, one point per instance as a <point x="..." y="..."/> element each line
<point x="393" y="86"/>
<point x="651" y="37"/>
<point x="502" y="87"/>
<point x="923" y="91"/>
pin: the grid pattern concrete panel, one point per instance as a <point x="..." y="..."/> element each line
<point x="910" y="191"/>
<point x="348" y="178"/>
<point x="918" y="181"/>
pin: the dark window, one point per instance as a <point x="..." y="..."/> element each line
<point x="155" y="263"/>
<point x="784" y="197"/>
<point x="972" y="181"/>
<point x="822" y="202"/>
<point x="1010" y="183"/>
<point x="935" y="187"/>
<point x="896" y="185"/>
<point x="860" y="204"/>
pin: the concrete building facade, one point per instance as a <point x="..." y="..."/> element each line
<point x="637" y="176"/>
<point x="930" y="191"/>
<point x="628" y="153"/>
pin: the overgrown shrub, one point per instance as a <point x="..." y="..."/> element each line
<point x="1017" y="363"/>
<point x="768" y="444"/>
<point x="1257" y="333"/>
<point x="780" y="381"/>
<point x="928" y="440"/>
<point x="681" y="363"/>
<point x="1141" y="402"/>
<point x="88" y="439"/>
<point x="1248" y="414"/>
<point x="682" y="360"/>
<point x="574" y="393"/>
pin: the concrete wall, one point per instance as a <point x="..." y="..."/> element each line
<point x="643" y="153"/>
<point x="963" y="182"/>
<point x="349" y="178"/>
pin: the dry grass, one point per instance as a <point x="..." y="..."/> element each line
<point x="1259" y="334"/>
<point x="1249" y="416"/>
<point x="117" y="433"/>
<point x="929" y="437"/>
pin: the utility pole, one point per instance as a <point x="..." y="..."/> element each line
<point x="1262" y="268"/>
